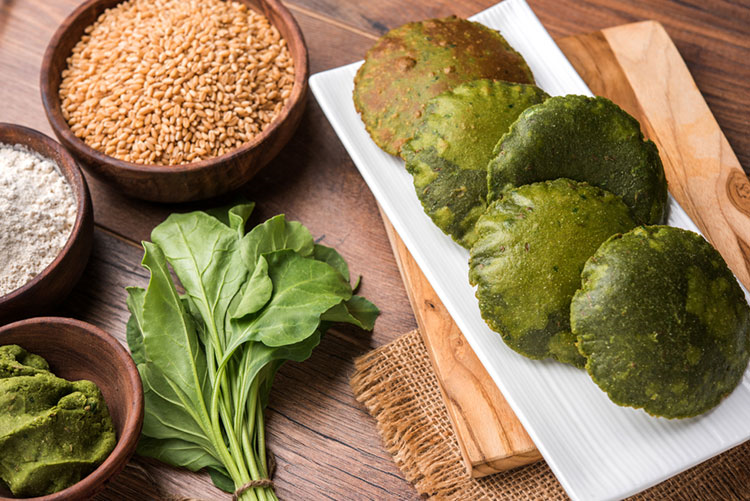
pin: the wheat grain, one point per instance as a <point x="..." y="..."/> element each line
<point x="169" y="81"/>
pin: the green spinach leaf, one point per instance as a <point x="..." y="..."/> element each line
<point x="304" y="289"/>
<point x="208" y="358"/>
<point x="257" y="291"/>
<point x="203" y="254"/>
<point x="276" y="234"/>
<point x="178" y="453"/>
<point x="332" y="257"/>
<point x="356" y="311"/>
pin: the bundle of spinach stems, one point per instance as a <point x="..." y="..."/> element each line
<point x="208" y="357"/>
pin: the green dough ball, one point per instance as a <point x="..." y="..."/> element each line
<point x="526" y="263"/>
<point x="53" y="432"/>
<point x="411" y="64"/>
<point x="662" y="321"/>
<point x="586" y="139"/>
<point x="449" y="153"/>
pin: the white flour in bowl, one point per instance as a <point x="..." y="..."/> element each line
<point x="37" y="214"/>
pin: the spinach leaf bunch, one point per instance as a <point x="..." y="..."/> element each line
<point x="207" y="358"/>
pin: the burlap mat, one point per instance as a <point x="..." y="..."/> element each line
<point x="399" y="389"/>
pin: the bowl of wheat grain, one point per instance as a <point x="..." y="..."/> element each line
<point x="175" y="100"/>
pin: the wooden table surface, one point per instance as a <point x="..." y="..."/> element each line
<point x="325" y="444"/>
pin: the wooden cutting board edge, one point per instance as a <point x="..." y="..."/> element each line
<point x="470" y="395"/>
<point x="703" y="174"/>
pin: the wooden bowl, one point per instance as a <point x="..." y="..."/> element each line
<point x="77" y="350"/>
<point x="179" y="183"/>
<point x="58" y="278"/>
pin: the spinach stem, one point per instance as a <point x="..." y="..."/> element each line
<point x="234" y="445"/>
<point x="249" y="424"/>
<point x="224" y="392"/>
<point x="260" y="433"/>
<point x="241" y="388"/>
<point x="247" y="433"/>
<point x="234" y="470"/>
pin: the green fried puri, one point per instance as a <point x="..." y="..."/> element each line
<point x="586" y="139"/>
<point x="526" y="263"/>
<point x="662" y="322"/>
<point x="411" y="64"/>
<point x="449" y="153"/>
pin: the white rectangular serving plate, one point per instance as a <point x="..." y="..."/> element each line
<point x="596" y="449"/>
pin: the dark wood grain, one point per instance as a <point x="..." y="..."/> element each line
<point x="175" y="183"/>
<point x="326" y="445"/>
<point x="55" y="281"/>
<point x="76" y="350"/>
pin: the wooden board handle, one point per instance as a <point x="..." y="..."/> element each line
<point x="703" y="172"/>
<point x="489" y="434"/>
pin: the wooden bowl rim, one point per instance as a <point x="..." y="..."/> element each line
<point x="127" y="441"/>
<point x="51" y="101"/>
<point x="78" y="184"/>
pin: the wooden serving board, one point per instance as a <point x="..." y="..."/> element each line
<point x="638" y="67"/>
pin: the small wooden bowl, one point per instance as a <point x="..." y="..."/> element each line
<point x="77" y="350"/>
<point x="178" y="183"/>
<point x="58" y="278"/>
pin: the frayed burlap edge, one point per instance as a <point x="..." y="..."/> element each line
<point x="399" y="389"/>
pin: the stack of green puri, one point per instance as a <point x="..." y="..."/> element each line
<point x="549" y="195"/>
<point x="569" y="173"/>
<point x="658" y="321"/>
<point x="586" y="139"/>
<point x="453" y="144"/>
<point x="411" y="64"/>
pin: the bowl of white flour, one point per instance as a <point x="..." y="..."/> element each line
<point x="46" y="222"/>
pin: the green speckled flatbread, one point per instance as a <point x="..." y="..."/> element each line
<point x="662" y="321"/>
<point x="586" y="139"/>
<point x="449" y="153"/>
<point x="411" y="64"/>
<point x="527" y="261"/>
